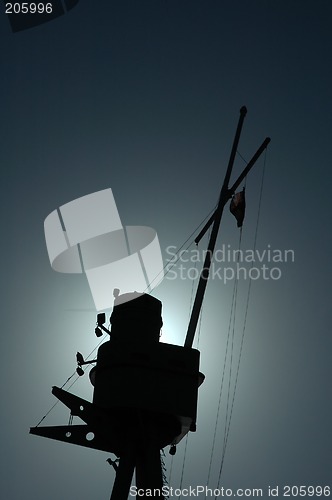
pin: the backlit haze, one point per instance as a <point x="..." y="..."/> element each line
<point x="143" y="96"/>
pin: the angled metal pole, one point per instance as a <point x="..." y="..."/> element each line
<point x="205" y="228"/>
<point x="249" y="166"/>
<point x="235" y="186"/>
<point x="224" y="197"/>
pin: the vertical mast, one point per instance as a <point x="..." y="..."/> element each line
<point x="225" y="195"/>
<point x="223" y="198"/>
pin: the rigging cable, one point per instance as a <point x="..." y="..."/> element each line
<point x="232" y="321"/>
<point x="168" y="266"/>
<point x="232" y="315"/>
<point x="202" y="307"/>
<point x="233" y="307"/>
<point x="65" y="383"/>
<point x="199" y="328"/>
<point x="183" y="464"/>
<point x="245" y="321"/>
<point x="185" y="449"/>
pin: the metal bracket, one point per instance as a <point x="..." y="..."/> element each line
<point x="88" y="412"/>
<point x="99" y="433"/>
<point x="82" y="435"/>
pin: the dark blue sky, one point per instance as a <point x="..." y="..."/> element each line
<point x="144" y="97"/>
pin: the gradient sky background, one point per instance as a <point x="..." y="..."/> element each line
<point x="143" y="96"/>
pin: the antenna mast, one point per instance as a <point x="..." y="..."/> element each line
<point x="225" y="195"/>
<point x="144" y="391"/>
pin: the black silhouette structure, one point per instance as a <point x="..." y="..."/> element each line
<point x="145" y="391"/>
<point x="145" y="396"/>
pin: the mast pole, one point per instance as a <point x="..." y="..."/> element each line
<point x="249" y="166"/>
<point x="124" y="474"/>
<point x="223" y="198"/>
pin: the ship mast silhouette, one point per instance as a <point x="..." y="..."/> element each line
<point x="145" y="391"/>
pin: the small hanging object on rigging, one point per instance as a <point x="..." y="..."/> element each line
<point x="238" y="207"/>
